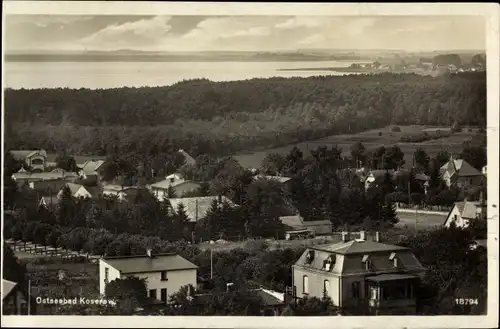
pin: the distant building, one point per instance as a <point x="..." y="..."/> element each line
<point x="273" y="302"/>
<point x="123" y="193"/>
<point x="297" y="223"/>
<point x="92" y="169"/>
<point x="25" y="178"/>
<point x="176" y="182"/>
<point x="460" y="173"/>
<point x="188" y="159"/>
<point x="77" y="191"/>
<point x="165" y="274"/>
<point x="462" y="213"/>
<point x="375" y="177"/>
<point x="35" y="159"/>
<point x="198" y="207"/>
<point x="361" y="274"/>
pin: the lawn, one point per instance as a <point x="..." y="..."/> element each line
<point x="371" y="140"/>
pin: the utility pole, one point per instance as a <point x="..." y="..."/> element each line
<point x="29" y="297"/>
<point x="211" y="264"/>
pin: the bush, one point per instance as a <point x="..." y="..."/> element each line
<point x="396" y="129"/>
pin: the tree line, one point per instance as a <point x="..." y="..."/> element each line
<point x="226" y="117"/>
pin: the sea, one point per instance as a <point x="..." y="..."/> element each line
<point x="106" y="75"/>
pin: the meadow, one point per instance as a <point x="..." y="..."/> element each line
<point x="371" y="139"/>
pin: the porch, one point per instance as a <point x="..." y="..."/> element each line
<point x="392" y="293"/>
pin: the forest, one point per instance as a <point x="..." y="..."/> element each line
<point x="222" y="118"/>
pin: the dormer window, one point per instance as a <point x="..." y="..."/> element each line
<point x="367" y="262"/>
<point x="329" y="263"/>
<point x="310" y="256"/>
<point x="394" y="259"/>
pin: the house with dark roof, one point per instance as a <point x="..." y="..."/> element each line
<point x="460" y="173"/>
<point x="462" y="213"/>
<point x="165" y="274"/>
<point x="15" y="300"/>
<point x="360" y="273"/>
<point x="35" y="159"/>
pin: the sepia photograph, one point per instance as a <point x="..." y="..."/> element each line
<point x="271" y="161"/>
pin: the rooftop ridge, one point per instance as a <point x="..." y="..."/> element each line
<point x="141" y="256"/>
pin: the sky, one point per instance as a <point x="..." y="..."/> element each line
<point x="251" y="33"/>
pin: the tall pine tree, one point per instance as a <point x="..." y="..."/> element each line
<point x="66" y="208"/>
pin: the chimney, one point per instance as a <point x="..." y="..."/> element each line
<point x="362" y="235"/>
<point x="149" y="252"/>
<point x="377" y="236"/>
<point x="345" y="236"/>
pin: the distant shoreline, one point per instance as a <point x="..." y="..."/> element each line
<point x="20" y="58"/>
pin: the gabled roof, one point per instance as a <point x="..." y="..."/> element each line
<point x="357" y="246"/>
<point x="73" y="187"/>
<point x="48" y="200"/>
<point x="461" y="167"/>
<point x="23" y="154"/>
<point x="7" y="287"/>
<point x="90" y="167"/>
<point x="144" y="264"/>
<point x="187" y="158"/>
<point x="294" y="222"/>
<point x="197" y="208"/>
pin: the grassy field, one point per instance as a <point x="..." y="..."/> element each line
<point x="371" y="140"/>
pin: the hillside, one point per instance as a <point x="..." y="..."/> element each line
<point x="228" y="117"/>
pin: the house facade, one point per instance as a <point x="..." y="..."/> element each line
<point x="460" y="173"/>
<point x="35" y="159"/>
<point x="165" y="274"/>
<point x="358" y="273"/>
<point x="462" y="213"/>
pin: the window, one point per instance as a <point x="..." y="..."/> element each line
<point x="368" y="265"/>
<point x="152" y="293"/>
<point x="106" y="275"/>
<point x="305" y="284"/>
<point x="329" y="263"/>
<point x="164" y="276"/>
<point x="355" y="290"/>
<point x="37" y="162"/>
<point x="326" y="288"/>
<point x="310" y="256"/>
<point x="164" y="295"/>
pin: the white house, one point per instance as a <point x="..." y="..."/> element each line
<point x="92" y="169"/>
<point x="464" y="212"/>
<point x="165" y="274"/>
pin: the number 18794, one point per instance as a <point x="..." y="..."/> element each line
<point x="466" y="301"/>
